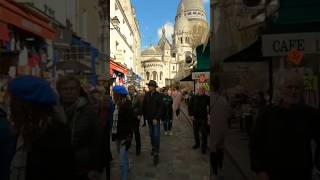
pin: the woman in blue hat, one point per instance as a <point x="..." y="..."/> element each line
<point x="122" y="127"/>
<point x="43" y="149"/>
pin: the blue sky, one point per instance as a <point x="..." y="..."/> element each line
<point x="154" y="14"/>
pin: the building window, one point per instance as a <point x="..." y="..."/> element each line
<point x="173" y="68"/>
<point x="147" y="75"/>
<point x="187" y="39"/>
<point x="174" y="54"/>
<point x="161" y="76"/>
<point x="181" y="40"/>
<point x="189" y="13"/>
<point x="154" y="75"/>
<point x="194" y="12"/>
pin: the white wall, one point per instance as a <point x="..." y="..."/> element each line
<point x="125" y="37"/>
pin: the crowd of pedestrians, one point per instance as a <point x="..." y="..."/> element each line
<point x="67" y="132"/>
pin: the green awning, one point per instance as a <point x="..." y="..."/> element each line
<point x="299" y="11"/>
<point x="203" y="57"/>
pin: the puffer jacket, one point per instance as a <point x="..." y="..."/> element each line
<point x="87" y="135"/>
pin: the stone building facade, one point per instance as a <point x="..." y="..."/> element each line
<point x="166" y="63"/>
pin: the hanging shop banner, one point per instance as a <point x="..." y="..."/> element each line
<point x="282" y="44"/>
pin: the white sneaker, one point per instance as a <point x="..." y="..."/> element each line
<point x="165" y="133"/>
<point x="170" y="133"/>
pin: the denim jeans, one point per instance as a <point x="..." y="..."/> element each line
<point x="167" y="125"/>
<point x="124" y="160"/>
<point x="154" y="132"/>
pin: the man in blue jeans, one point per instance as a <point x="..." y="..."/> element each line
<point x="152" y="103"/>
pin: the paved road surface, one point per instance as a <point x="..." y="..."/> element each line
<point x="178" y="161"/>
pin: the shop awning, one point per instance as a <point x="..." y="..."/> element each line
<point x="117" y="67"/>
<point x="11" y="13"/>
<point x="4" y="32"/>
<point x="252" y="53"/>
<point x="188" y="78"/>
<point x="203" y="56"/>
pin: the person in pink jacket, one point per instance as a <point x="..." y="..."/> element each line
<point x="177" y="97"/>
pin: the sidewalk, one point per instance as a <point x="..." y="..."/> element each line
<point x="236" y="148"/>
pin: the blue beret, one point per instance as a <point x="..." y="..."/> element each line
<point x="32" y="90"/>
<point x="120" y="90"/>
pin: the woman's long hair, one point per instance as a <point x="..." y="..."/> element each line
<point x="29" y="120"/>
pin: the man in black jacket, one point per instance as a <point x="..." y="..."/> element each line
<point x="198" y="111"/>
<point x="87" y="136"/>
<point x="152" y="113"/>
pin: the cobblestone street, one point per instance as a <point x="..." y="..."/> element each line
<point x="177" y="159"/>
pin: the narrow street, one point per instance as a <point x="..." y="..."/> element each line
<point x="177" y="159"/>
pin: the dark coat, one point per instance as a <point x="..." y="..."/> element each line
<point x="198" y="107"/>
<point x="125" y="122"/>
<point x="87" y="135"/>
<point x="136" y="105"/>
<point x="152" y="106"/>
<point x="7" y="146"/>
<point x="51" y="156"/>
<point x="281" y="138"/>
<point x="167" y="111"/>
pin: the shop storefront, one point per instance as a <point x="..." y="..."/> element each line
<point x="201" y="75"/>
<point x="26" y="41"/>
<point x="299" y="51"/>
<point x="119" y="73"/>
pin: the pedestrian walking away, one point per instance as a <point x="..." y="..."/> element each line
<point x="220" y="110"/>
<point x="198" y="112"/>
<point x="87" y="135"/>
<point x="152" y="113"/>
<point x="177" y="98"/>
<point x="167" y="112"/>
<point x="281" y="139"/>
<point x="122" y="127"/>
<point x="137" y="112"/>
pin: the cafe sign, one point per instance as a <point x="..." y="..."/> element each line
<point x="201" y="75"/>
<point x="282" y="44"/>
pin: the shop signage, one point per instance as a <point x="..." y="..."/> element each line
<point x="311" y="83"/>
<point x="282" y="44"/>
<point x="295" y="56"/>
<point x="198" y="75"/>
<point x="31" y="26"/>
<point x="202" y="78"/>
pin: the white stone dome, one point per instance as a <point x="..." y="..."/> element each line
<point x="189" y="5"/>
<point x="182" y="24"/>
